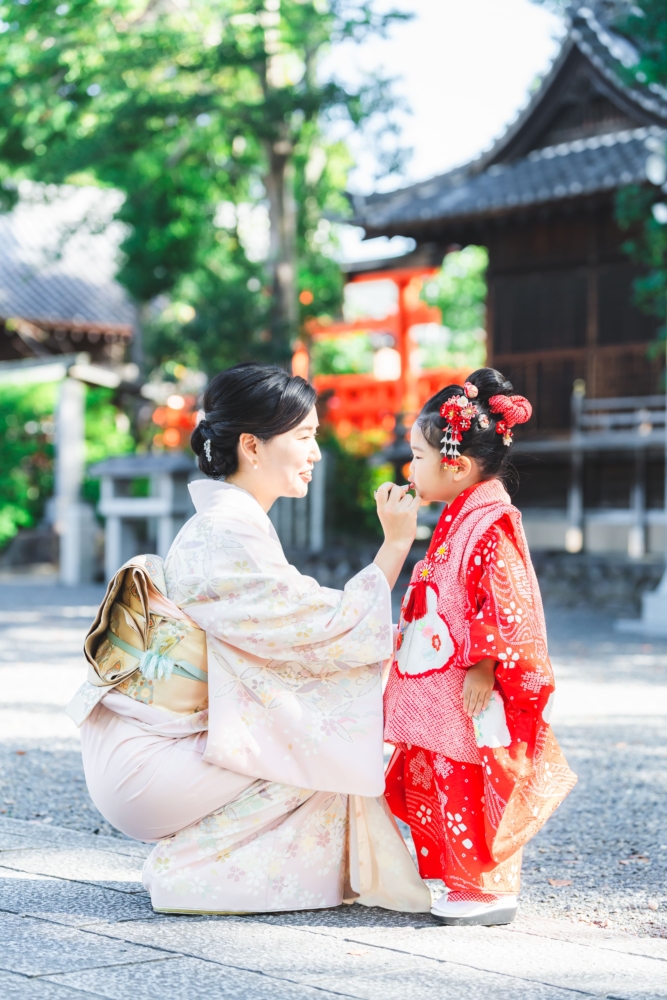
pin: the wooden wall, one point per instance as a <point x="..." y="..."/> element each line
<point x="561" y="308"/>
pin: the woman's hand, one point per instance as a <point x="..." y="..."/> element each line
<point x="397" y="511"/>
<point x="478" y="686"/>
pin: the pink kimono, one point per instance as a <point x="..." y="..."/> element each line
<point x="272" y="797"/>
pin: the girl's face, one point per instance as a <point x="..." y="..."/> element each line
<point x="285" y="462"/>
<point x="433" y="481"/>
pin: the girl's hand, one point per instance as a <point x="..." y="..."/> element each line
<point x="478" y="686"/>
<point x="397" y="511"/>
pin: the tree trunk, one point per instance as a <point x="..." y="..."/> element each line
<point x="282" y="256"/>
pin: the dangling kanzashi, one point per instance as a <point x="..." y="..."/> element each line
<point x="458" y="413"/>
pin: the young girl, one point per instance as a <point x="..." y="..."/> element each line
<point x="476" y="771"/>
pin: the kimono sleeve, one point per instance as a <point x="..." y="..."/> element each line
<point x="258" y="603"/>
<point x="506" y="627"/>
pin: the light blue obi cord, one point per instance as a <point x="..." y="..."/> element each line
<point x="156" y="666"/>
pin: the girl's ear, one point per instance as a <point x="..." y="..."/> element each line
<point x="464" y="469"/>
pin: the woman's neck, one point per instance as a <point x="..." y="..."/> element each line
<point x="251" y="482"/>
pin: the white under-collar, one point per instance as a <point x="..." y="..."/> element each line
<point x="206" y="493"/>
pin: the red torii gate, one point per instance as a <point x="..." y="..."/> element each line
<point x="364" y="402"/>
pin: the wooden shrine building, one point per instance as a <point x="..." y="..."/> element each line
<point x="561" y="309"/>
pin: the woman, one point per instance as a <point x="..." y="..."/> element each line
<point x="261" y="776"/>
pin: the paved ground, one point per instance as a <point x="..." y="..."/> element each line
<point x="75" y="922"/>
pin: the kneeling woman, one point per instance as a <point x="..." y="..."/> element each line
<point x="234" y="709"/>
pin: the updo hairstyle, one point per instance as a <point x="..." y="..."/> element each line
<point x="481" y="441"/>
<point x="247" y="399"/>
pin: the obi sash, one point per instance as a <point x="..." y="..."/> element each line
<point x="144" y="646"/>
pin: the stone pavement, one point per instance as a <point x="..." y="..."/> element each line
<point x="76" y="923"/>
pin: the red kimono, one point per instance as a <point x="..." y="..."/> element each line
<point x="473" y="791"/>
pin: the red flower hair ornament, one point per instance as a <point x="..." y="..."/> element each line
<point x="458" y="413"/>
<point x="514" y="410"/>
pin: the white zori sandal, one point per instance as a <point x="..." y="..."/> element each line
<point x="465" y="912"/>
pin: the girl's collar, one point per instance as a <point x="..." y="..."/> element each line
<point x="448" y="516"/>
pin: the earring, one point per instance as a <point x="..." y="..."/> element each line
<point x="255" y="466"/>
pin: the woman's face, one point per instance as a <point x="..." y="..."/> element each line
<point x="285" y="463"/>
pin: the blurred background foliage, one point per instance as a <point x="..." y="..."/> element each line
<point x="26" y="458"/>
<point x="351" y="482"/>
<point x="346" y="355"/>
<point x="185" y="110"/>
<point x="27" y="425"/>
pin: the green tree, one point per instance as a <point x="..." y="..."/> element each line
<point x="182" y="108"/>
<point x="26" y="458"/>
<point x="641" y="210"/>
<point x="459" y="291"/>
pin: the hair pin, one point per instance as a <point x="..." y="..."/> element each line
<point x="207" y="448"/>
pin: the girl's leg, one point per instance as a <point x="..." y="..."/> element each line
<point x="481" y="890"/>
<point x="442" y="800"/>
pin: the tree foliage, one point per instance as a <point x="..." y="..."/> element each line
<point x="27" y="425"/>
<point x="182" y="107"/>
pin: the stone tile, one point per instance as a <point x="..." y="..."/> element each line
<point x="421" y="981"/>
<point x="596" y="937"/>
<point x="561" y="964"/>
<point x="252" y="945"/>
<point x="69" y="903"/>
<point x="17" y="834"/>
<point x="13" y="987"/>
<point x="36" y="948"/>
<point x="342" y="919"/>
<point x="114" y="871"/>
<point x="194" y="979"/>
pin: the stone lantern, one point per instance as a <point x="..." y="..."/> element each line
<point x="145" y="501"/>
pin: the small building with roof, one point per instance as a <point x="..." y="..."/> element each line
<point x="561" y="311"/>
<point x="58" y="294"/>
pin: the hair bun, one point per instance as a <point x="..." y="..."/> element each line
<point x="514" y="409"/>
<point x="488" y="383"/>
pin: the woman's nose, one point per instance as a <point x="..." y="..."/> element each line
<point x="315" y="453"/>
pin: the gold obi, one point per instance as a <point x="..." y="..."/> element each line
<point x="144" y="646"/>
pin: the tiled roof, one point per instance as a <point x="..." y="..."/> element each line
<point x="609" y="52"/>
<point x="487" y="185"/>
<point x="583" y="167"/>
<point x="56" y="264"/>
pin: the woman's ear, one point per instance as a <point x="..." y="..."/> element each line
<point x="248" y="448"/>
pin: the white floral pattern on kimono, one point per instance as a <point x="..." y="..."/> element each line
<point x="294" y="668"/>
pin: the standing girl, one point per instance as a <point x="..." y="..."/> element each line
<point x="476" y="771"/>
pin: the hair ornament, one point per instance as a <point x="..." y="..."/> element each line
<point x="458" y="413"/>
<point x="514" y="409"/>
<point x="207" y="448"/>
<point x="502" y="428"/>
<point x="483" y="421"/>
<point x="471" y="391"/>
